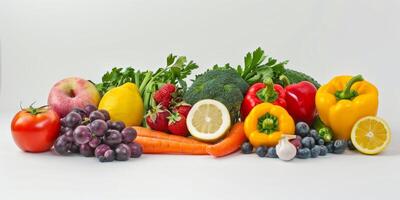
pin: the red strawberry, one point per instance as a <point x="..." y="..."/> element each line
<point x="177" y="124"/>
<point x="163" y="96"/>
<point x="157" y="119"/>
<point x="183" y="109"/>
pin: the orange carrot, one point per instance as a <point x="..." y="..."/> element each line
<point x="230" y="143"/>
<point x="145" y="132"/>
<point x="164" y="146"/>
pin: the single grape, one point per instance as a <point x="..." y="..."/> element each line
<point x="86" y="150"/>
<point x="62" y="122"/>
<point x="73" y="119"/>
<point x="136" y="149"/>
<point x="64" y="129"/>
<point x="82" y="134"/>
<point x="110" y="124"/>
<point x="81" y="112"/>
<point x="128" y="134"/>
<point x="109" y="156"/>
<point x="61" y="145"/>
<point x="69" y="135"/>
<point x="96" y="115"/>
<point x="94" y="142"/>
<point x="119" y="125"/>
<point x="113" y="138"/>
<point x="90" y="108"/>
<point x="98" y="127"/>
<point x="74" y="148"/>
<point x="101" y="149"/>
<point x="123" y="152"/>
<point x="106" y="114"/>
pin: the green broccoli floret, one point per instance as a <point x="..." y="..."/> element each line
<point x="223" y="85"/>
<point x="295" y="77"/>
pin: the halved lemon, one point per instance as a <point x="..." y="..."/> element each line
<point x="208" y="120"/>
<point x="370" y="135"/>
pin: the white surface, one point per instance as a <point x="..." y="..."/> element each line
<point x="44" y="41"/>
<point x="48" y="176"/>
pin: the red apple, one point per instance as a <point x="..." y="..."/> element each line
<point x="72" y="93"/>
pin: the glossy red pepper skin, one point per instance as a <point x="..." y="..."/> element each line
<point x="300" y="99"/>
<point x="251" y="99"/>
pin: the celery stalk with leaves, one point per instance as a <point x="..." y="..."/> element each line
<point x="175" y="72"/>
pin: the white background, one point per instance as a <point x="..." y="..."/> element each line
<point x="44" y="41"/>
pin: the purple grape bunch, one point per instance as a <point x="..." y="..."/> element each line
<point x="90" y="132"/>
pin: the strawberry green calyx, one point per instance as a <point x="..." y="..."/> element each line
<point x="173" y="118"/>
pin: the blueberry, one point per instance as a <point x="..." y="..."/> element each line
<point x="350" y="145"/>
<point x="303" y="153"/>
<point x="308" y="142"/>
<point x="323" y="151"/>
<point x="314" y="134"/>
<point x="339" y="146"/>
<point x="320" y="141"/>
<point x="302" y="129"/>
<point x="329" y="146"/>
<point x="315" y="151"/>
<point x="261" y="151"/>
<point x="247" y="148"/>
<point x="80" y="112"/>
<point x="272" y="153"/>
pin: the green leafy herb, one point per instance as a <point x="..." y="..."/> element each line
<point x="258" y="67"/>
<point x="175" y="72"/>
<point x="256" y="70"/>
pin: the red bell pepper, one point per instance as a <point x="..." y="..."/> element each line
<point x="260" y="93"/>
<point x="300" y="99"/>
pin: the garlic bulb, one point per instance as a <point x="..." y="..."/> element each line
<point x="285" y="150"/>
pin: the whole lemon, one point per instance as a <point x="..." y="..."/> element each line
<point x="124" y="103"/>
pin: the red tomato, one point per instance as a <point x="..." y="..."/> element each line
<point x="35" y="129"/>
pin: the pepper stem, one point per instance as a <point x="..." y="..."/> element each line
<point x="348" y="93"/>
<point x="268" y="94"/>
<point x="267" y="123"/>
<point x="284" y="80"/>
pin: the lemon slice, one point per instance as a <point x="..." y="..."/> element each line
<point x="208" y="120"/>
<point x="370" y="135"/>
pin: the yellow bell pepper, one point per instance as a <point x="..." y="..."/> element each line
<point x="345" y="100"/>
<point x="266" y="123"/>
